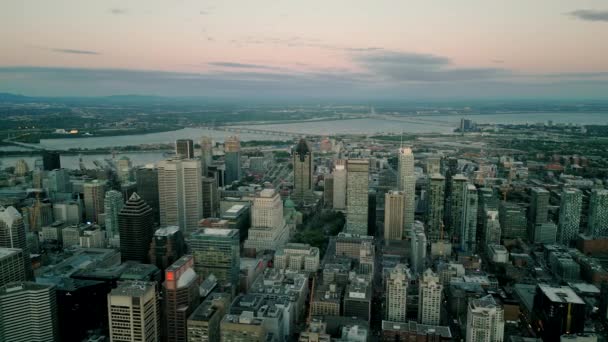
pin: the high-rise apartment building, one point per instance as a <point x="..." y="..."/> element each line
<point x="113" y="203"/>
<point x="206" y="153"/>
<point x="434" y="212"/>
<point x="418" y="247"/>
<point x="58" y="181"/>
<point x="429" y="299"/>
<point x="539" y="206"/>
<point x="94" y="195"/>
<point x="134" y="312"/>
<point x="571" y="205"/>
<point x="394" y="206"/>
<point x="598" y="213"/>
<point x="184" y="148"/>
<point x="268" y="231"/>
<point x="485" y="320"/>
<point x="357" y="185"/>
<point x="11" y="265"/>
<point x="468" y="224"/>
<point x="167" y="246"/>
<point x="147" y="188"/>
<point x="180" y="193"/>
<point x="303" y="170"/>
<point x="181" y="296"/>
<point x="406" y="182"/>
<point x="397" y="283"/>
<point x="232" y="152"/>
<point x="339" y="193"/>
<point x="12" y="235"/>
<point x="216" y="251"/>
<point x="28" y="312"/>
<point x="513" y="222"/>
<point x="457" y="202"/>
<point x="136" y="228"/>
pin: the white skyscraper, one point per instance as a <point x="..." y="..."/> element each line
<point x="396" y="294"/>
<point x="429" y="299"/>
<point x="340" y="185"/>
<point x="598" y="213"/>
<point x="180" y="191"/>
<point x="570" y="208"/>
<point x="357" y="201"/>
<point x="406" y="182"/>
<point x="269" y="230"/>
<point x="134" y="312"/>
<point x="485" y="320"/>
<point x="113" y="202"/>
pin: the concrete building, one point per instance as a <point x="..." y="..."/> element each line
<point x="418" y="248"/>
<point x="339" y="193"/>
<point x="328" y="191"/>
<point x="397" y="283"/>
<point x="513" y="221"/>
<point x="539" y="206"/>
<point x="598" y="213"/>
<point x="216" y="251"/>
<point x="94" y="195"/>
<point x="297" y="257"/>
<point x="303" y="170"/>
<point x="406" y="182"/>
<point x="429" y="299"/>
<point x="147" y="188"/>
<point x="28" y="312"/>
<point x="11" y="265"/>
<point x="181" y="297"/>
<point x="58" y="181"/>
<point x="412" y="331"/>
<point x="168" y="245"/>
<point x="204" y="323"/>
<point x="571" y="205"/>
<point x="242" y="328"/>
<point x="485" y="320"/>
<point x="113" y="203"/>
<point x="492" y="230"/>
<point x="184" y="148"/>
<point x="206" y="144"/>
<point x="268" y="231"/>
<point x="434" y="212"/>
<point x="180" y="193"/>
<point x="327" y="300"/>
<point x="124" y="169"/>
<point x="394" y="220"/>
<point x="358" y="299"/>
<point x="468" y="224"/>
<point x="134" y="312"/>
<point x="349" y="245"/>
<point x="232" y="151"/>
<point x="69" y="212"/>
<point x="357" y="185"/>
<point x="498" y="254"/>
<point x="12" y="235"/>
<point x="545" y="233"/>
<point x="136" y="228"/>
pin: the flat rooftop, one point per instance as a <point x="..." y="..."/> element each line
<point x="560" y="294"/>
<point x="133" y="288"/>
<point x="166" y="231"/>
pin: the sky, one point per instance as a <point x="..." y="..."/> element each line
<point x="315" y="48"/>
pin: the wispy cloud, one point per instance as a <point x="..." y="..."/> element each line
<point x="234" y="65"/>
<point x="118" y="11"/>
<point x="74" y="51"/>
<point x="590" y="15"/>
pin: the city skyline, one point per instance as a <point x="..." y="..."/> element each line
<point x="414" y="49"/>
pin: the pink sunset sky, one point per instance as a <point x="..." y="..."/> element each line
<point x="399" y="47"/>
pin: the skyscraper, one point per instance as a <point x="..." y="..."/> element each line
<point x="558" y="311"/>
<point x="181" y="296"/>
<point x="429" y="299"/>
<point x="418" y="247"/>
<point x="435" y="208"/>
<point x="455" y="211"/>
<point x="598" y="213"/>
<point x="180" y="193"/>
<point x="167" y="246"/>
<point x="570" y="208"/>
<point x="12" y="235"/>
<point x="147" y="188"/>
<point x="232" y="151"/>
<point x="113" y="203"/>
<point x="513" y="221"/>
<point x="357" y="184"/>
<point x="28" y="312"/>
<point x="184" y="148"/>
<point x="134" y="312"/>
<point x="211" y="200"/>
<point x="492" y="231"/>
<point x="59" y="181"/>
<point x="468" y="228"/>
<point x="396" y="293"/>
<point x="51" y="160"/>
<point x="124" y="169"/>
<point x="485" y="320"/>
<point x="394" y="215"/>
<point x="94" y="195"/>
<point x="136" y="227"/>
<point x="268" y="231"/>
<point x="538" y="210"/>
<point x="206" y="153"/>
<point x="216" y="251"/>
<point x="406" y="182"/>
<point x="339" y="199"/>
<point x="303" y="170"/>
<point x="11" y="265"/>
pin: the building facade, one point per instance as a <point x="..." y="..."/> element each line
<point x="180" y="193"/>
<point x="357" y="185"/>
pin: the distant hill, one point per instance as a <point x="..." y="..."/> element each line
<point x="8" y="97"/>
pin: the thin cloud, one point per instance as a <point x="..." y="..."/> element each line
<point x="589" y="15"/>
<point x="498" y="61"/>
<point x="118" y="11"/>
<point x="75" y="51"/>
<point x="235" y="65"/>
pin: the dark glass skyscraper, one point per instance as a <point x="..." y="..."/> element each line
<point x="302" y="173"/>
<point x="136" y="228"/>
<point x="184" y="148"/>
<point x="232" y="149"/>
<point x="51" y="160"/>
<point x="147" y="188"/>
